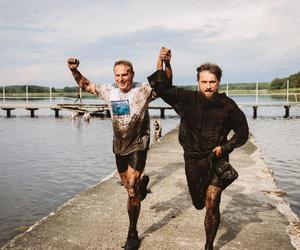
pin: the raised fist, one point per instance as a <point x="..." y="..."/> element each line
<point x="73" y="63"/>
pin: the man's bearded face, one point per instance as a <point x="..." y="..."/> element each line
<point x="208" y="83"/>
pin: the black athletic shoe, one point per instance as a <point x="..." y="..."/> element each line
<point x="143" y="187"/>
<point x="132" y="242"/>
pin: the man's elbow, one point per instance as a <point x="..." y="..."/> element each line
<point x="244" y="137"/>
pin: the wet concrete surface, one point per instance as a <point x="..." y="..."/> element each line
<point x="252" y="215"/>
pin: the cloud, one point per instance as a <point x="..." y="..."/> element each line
<point x="251" y="40"/>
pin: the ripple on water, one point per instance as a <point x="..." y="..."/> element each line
<point x="279" y="140"/>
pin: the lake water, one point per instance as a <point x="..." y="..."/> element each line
<point x="46" y="161"/>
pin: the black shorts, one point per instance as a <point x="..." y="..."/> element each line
<point x="136" y="160"/>
<point x="199" y="176"/>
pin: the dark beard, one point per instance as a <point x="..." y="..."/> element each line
<point x="213" y="100"/>
<point x="214" y="95"/>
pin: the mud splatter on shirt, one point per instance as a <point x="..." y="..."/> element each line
<point x="130" y="117"/>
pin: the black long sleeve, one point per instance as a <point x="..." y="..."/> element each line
<point x="176" y="97"/>
<point x="205" y="123"/>
<point x="240" y="127"/>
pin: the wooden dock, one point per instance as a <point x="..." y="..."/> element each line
<point x="8" y="107"/>
<point x="102" y="110"/>
<point x="285" y="105"/>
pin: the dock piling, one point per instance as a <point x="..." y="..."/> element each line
<point x="8" y="113"/>
<point x="162" y="113"/>
<point x="56" y="110"/>
<point x="287" y="111"/>
<point x="254" y="112"/>
<point x="32" y="111"/>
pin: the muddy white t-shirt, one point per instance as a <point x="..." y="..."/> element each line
<point x="130" y="117"/>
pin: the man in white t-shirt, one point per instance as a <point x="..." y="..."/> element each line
<point x="128" y="103"/>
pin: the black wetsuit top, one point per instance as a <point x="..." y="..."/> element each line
<point x="205" y="123"/>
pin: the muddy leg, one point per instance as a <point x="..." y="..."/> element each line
<point x="134" y="202"/>
<point x="212" y="216"/>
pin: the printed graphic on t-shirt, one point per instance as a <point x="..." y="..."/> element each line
<point x="120" y="107"/>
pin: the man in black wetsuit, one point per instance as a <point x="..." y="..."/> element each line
<point x="207" y="117"/>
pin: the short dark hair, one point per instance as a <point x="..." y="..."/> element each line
<point x="124" y="62"/>
<point x="212" y="68"/>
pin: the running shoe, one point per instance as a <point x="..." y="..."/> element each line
<point x="132" y="242"/>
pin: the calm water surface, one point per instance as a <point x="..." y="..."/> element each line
<point x="46" y="161"/>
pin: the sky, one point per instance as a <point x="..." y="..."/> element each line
<point x="256" y="40"/>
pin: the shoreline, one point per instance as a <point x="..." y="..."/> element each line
<point x="259" y="191"/>
<point x="283" y="205"/>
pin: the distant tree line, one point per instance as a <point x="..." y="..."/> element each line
<point x="36" y="89"/>
<point x="277" y="83"/>
<point x="280" y="83"/>
<point x="236" y="86"/>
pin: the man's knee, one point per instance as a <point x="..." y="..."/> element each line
<point x="213" y="198"/>
<point x="199" y="204"/>
<point x="132" y="188"/>
<point x="197" y="198"/>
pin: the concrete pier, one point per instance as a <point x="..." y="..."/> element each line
<point x="253" y="216"/>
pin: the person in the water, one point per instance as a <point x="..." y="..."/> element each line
<point x="128" y="104"/>
<point x="207" y="117"/>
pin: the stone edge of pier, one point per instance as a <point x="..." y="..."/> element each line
<point x="283" y="206"/>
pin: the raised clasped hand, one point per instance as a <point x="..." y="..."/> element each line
<point x="165" y="54"/>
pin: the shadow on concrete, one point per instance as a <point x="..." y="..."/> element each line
<point x="158" y="175"/>
<point x="241" y="211"/>
<point x="176" y="206"/>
